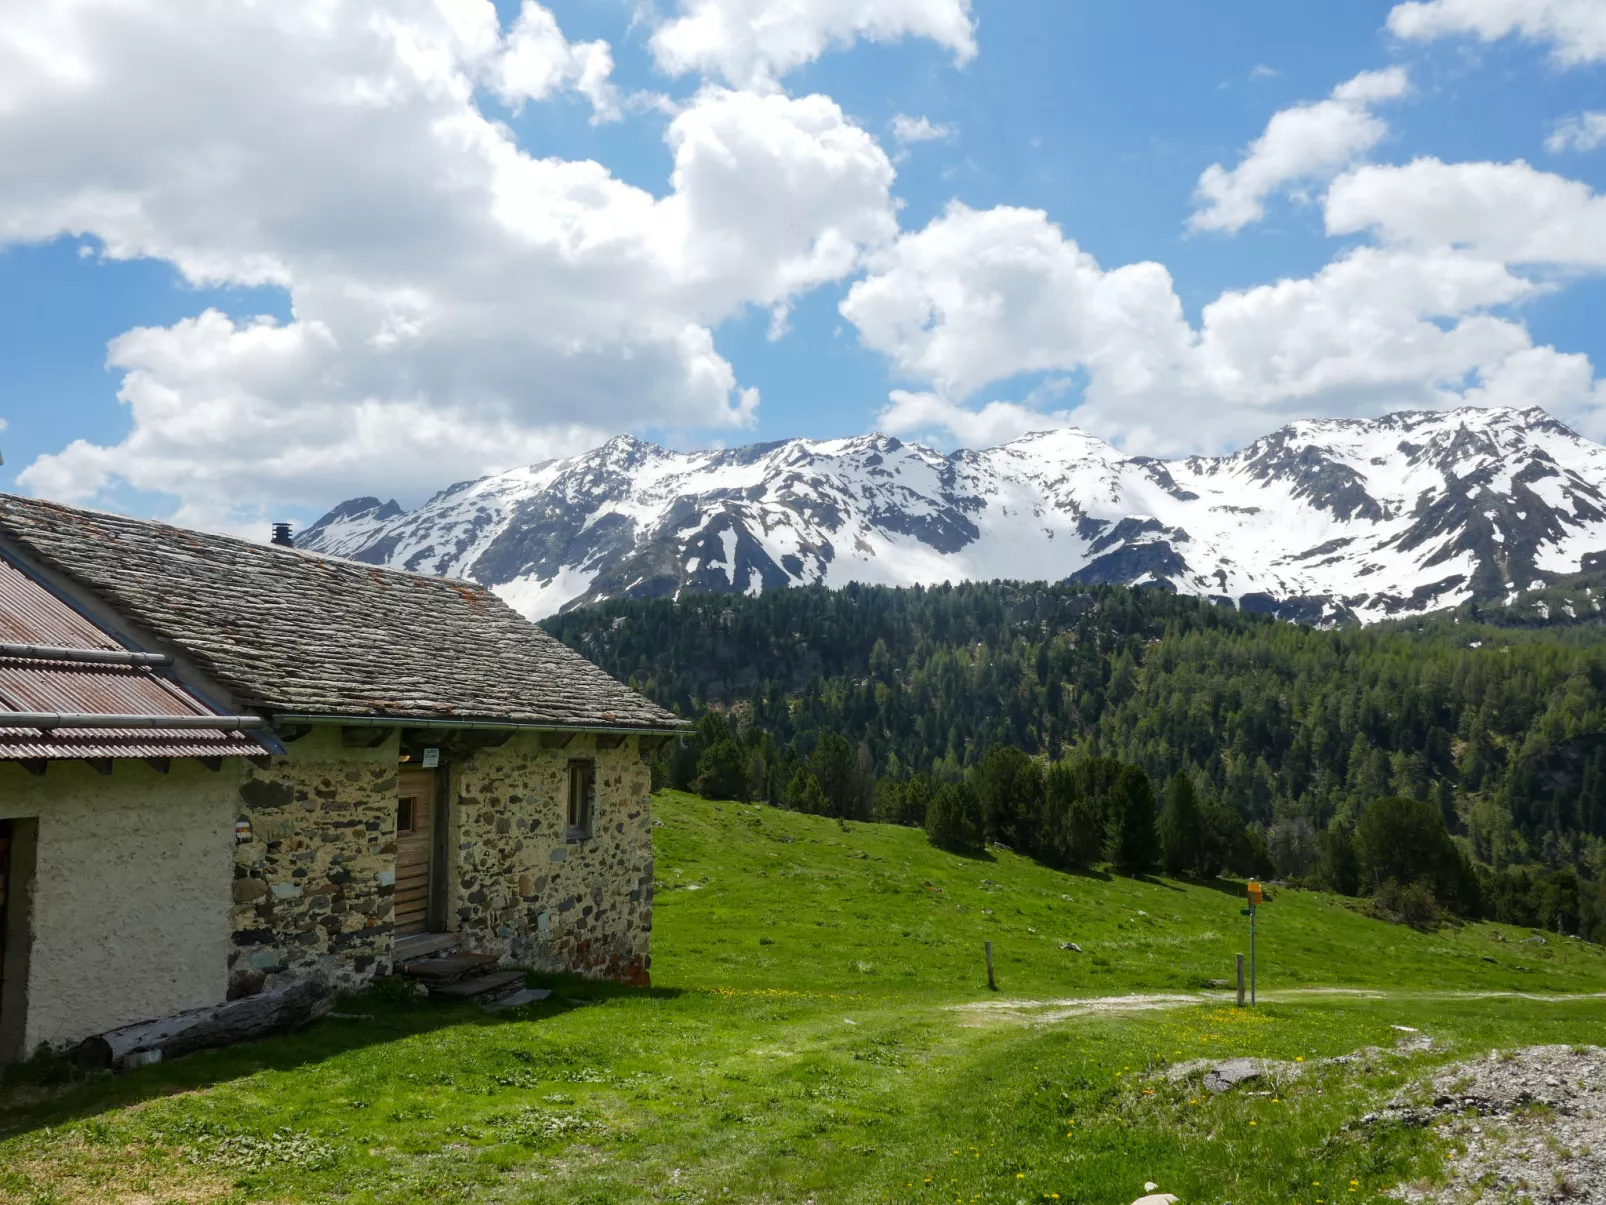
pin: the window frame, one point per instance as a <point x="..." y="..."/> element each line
<point x="584" y="771"/>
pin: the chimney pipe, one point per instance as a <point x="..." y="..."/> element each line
<point x="281" y="535"/>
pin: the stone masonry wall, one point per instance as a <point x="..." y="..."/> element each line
<point x="315" y="871"/>
<point x="315" y="858"/>
<point x="523" y="890"/>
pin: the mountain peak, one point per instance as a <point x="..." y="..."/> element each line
<point x="1318" y="520"/>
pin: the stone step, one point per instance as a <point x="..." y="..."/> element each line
<point x="528" y="995"/>
<point x="415" y="946"/>
<point x="450" y="967"/>
<point x="480" y="987"/>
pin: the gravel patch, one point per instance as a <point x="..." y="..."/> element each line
<point x="1529" y="1125"/>
<point x="1223" y="1075"/>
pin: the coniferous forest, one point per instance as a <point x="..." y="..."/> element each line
<point x="1438" y="766"/>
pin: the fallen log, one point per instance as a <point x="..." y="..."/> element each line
<point x="204" y="1028"/>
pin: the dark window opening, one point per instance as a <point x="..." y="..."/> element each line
<point x="18" y="848"/>
<point x="404" y="815"/>
<point x="582" y="793"/>
<point x="5" y="870"/>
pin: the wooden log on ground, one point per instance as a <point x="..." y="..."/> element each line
<point x="204" y="1028"/>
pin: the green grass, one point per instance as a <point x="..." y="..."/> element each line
<point x="814" y="1034"/>
<point x="874" y="907"/>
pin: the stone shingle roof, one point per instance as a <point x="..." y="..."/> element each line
<point x="296" y="632"/>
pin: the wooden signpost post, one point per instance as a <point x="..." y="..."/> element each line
<point x="1255" y="896"/>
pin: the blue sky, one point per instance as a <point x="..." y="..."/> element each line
<point x="758" y="254"/>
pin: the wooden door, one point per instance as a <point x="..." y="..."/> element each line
<point x="415" y="809"/>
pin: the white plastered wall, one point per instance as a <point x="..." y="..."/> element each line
<point x="130" y="894"/>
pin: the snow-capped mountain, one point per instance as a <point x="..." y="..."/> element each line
<point x="1409" y="513"/>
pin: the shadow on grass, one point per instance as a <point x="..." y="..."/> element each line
<point x="1087" y="872"/>
<point x="51" y="1090"/>
<point x="969" y="855"/>
<point x="1232" y="887"/>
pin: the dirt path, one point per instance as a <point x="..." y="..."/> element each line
<point x="1048" y="1012"/>
<point x="1010" y="1010"/>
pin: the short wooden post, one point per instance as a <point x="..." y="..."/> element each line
<point x="991" y="986"/>
<point x="1240" y="981"/>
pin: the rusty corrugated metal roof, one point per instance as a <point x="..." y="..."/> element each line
<point x="24" y="744"/>
<point x="31" y="615"/>
<point x="29" y="685"/>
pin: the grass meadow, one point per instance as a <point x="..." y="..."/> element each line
<point x="820" y="1030"/>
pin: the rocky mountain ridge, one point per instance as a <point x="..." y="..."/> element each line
<point x="1321" y="520"/>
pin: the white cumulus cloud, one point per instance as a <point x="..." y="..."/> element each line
<point x="1564" y="383"/>
<point x="981" y="297"/>
<point x="458" y="303"/>
<point x="908" y="129"/>
<point x="1575" y="29"/>
<point x="755" y="42"/>
<point x="1580" y="132"/>
<point x="927" y="415"/>
<point x="536" y="61"/>
<point x="1305" y="143"/>
<point x="1509" y="212"/>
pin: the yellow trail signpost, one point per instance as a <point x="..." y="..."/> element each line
<point x="1255" y="897"/>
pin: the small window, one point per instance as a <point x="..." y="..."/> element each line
<point x="404" y="815"/>
<point x="582" y="792"/>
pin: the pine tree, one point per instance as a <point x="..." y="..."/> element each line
<point x="1073" y="819"/>
<point x="1180" y="827"/>
<point x="1130" y="841"/>
<point x="722" y="772"/>
<point x="835" y="766"/>
<point x="951" y="818"/>
<point x="1224" y="844"/>
<point x="1404" y="841"/>
<point x="1009" y="785"/>
<point x="803" y="794"/>
<point x="1338" y="869"/>
<point x="1495" y="728"/>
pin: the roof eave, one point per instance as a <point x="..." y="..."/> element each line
<point x="282" y="718"/>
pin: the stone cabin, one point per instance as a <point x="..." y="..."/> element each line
<point x="227" y="766"/>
